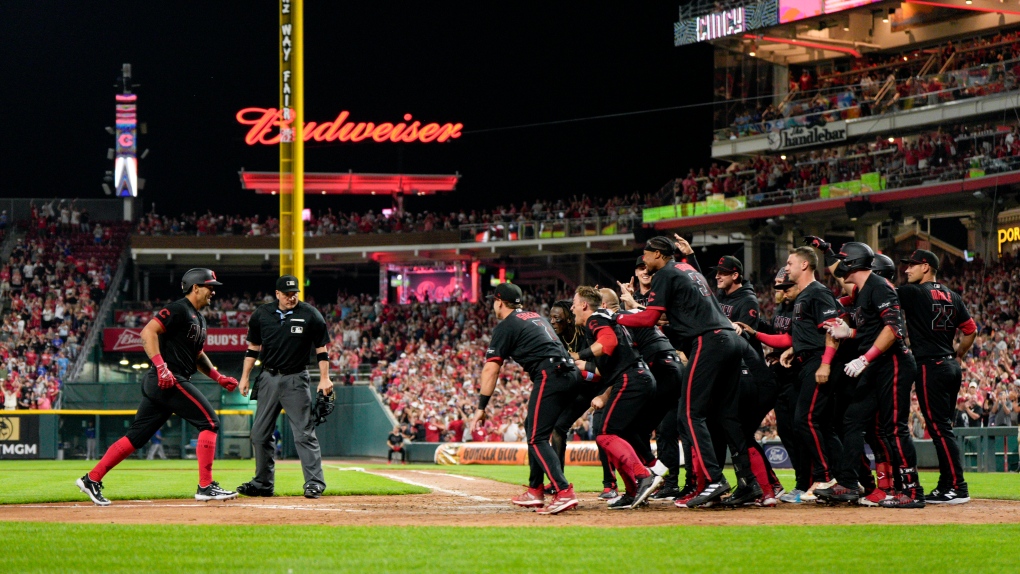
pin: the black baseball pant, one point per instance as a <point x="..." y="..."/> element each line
<point x="893" y="376"/>
<point x="668" y="372"/>
<point x="814" y="418"/>
<point x="788" y="385"/>
<point x="937" y="383"/>
<point x="710" y="391"/>
<point x="758" y="393"/>
<point x="158" y="405"/>
<point x="577" y="407"/>
<point x="551" y="393"/>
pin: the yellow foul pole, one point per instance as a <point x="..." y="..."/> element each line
<point x="292" y="144"/>
<point x="298" y="200"/>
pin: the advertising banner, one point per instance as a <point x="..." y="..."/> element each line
<point x="216" y="340"/>
<point x="579" y="453"/>
<point x="19" y="436"/>
<point x="750" y="16"/>
<point x="803" y="136"/>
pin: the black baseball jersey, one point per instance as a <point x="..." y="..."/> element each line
<point x="671" y="334"/>
<point x="684" y="296"/>
<point x="617" y="359"/>
<point x="813" y="306"/>
<point x="877" y="305"/>
<point x="933" y="313"/>
<point x="742" y="305"/>
<point x="527" y="338"/>
<point x="183" y="338"/>
<point x="850" y="349"/>
<point x="649" y="341"/>
<point x="781" y="323"/>
<point x="288" y="338"/>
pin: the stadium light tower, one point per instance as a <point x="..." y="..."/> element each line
<point x="125" y="160"/>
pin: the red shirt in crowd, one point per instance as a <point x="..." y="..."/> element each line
<point x="457" y="428"/>
<point x="431" y="432"/>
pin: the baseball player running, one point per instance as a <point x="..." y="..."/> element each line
<point x="528" y="339"/>
<point x="173" y="340"/>
<point x="934" y="313"/>
<point x="283" y="335"/>
<point x="613" y="356"/>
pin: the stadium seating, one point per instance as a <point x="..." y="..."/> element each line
<point x="50" y="289"/>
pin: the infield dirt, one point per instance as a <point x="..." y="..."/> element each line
<point x="468" y="501"/>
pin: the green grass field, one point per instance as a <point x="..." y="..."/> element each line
<point x="55" y="547"/>
<point x="158" y="548"/>
<point x="141" y="479"/>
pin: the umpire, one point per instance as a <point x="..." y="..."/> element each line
<point x="282" y="334"/>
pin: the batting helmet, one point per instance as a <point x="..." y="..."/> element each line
<point x="884" y="267"/>
<point x="198" y="276"/>
<point x="854" y="256"/>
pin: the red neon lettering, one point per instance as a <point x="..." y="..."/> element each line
<point x="266" y="124"/>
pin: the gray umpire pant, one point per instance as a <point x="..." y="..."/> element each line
<point x="293" y="394"/>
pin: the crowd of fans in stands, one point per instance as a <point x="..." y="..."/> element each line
<point x="391" y="221"/>
<point x="50" y="289"/>
<point x="847" y="89"/>
<point x="944" y="154"/>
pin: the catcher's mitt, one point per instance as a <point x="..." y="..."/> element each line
<point x="324" y="405"/>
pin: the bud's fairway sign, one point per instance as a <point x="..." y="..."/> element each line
<point x="216" y="340"/>
<point x="800" y="136"/>
<point x="19" y="436"/>
<point x="267" y="125"/>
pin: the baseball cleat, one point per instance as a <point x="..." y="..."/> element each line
<point x="549" y="490"/>
<point x="625" y="502"/>
<point x="712" y="492"/>
<point x="792" y="497"/>
<point x="313" y="491"/>
<point x="94" y="489"/>
<point x="665" y="493"/>
<point x="249" y="489"/>
<point x="214" y="492"/>
<point x="659" y="468"/>
<point x="873" y="498"/>
<point x="746" y="493"/>
<point x="902" y="500"/>
<point x="530" y="499"/>
<point x="949" y="496"/>
<point x="778" y="490"/>
<point x="645" y="487"/>
<point x="564" y="500"/>
<point x="609" y="493"/>
<point x="837" y="493"/>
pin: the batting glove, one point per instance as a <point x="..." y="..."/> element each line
<point x="838" y="329"/>
<point x="165" y="378"/>
<point x="817" y="242"/>
<point x="855" y="367"/>
<point x="228" y="383"/>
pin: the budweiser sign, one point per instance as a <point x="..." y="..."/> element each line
<point x="218" y="340"/>
<point x="271" y="126"/>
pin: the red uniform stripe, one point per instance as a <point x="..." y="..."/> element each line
<point x="616" y="399"/>
<point x="197" y="404"/>
<point x="534" y="429"/>
<point x="690" y="423"/>
<point x="814" y="435"/>
<point x="934" y="424"/>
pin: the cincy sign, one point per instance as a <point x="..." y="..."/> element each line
<point x="271" y="126"/>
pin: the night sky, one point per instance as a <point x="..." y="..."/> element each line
<point x="486" y="65"/>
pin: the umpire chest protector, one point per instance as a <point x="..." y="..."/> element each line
<point x="287" y="337"/>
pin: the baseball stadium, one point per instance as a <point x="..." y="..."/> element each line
<point x="740" y="299"/>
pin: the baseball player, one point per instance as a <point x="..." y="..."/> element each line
<point x="562" y="319"/>
<point x="283" y="334"/>
<point x="670" y="430"/>
<point x="529" y="339"/>
<point x="813" y="351"/>
<point x="887" y="366"/>
<point x="173" y="340"/>
<point x="934" y="313"/>
<point x="631" y="388"/>
<point x="713" y="371"/>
